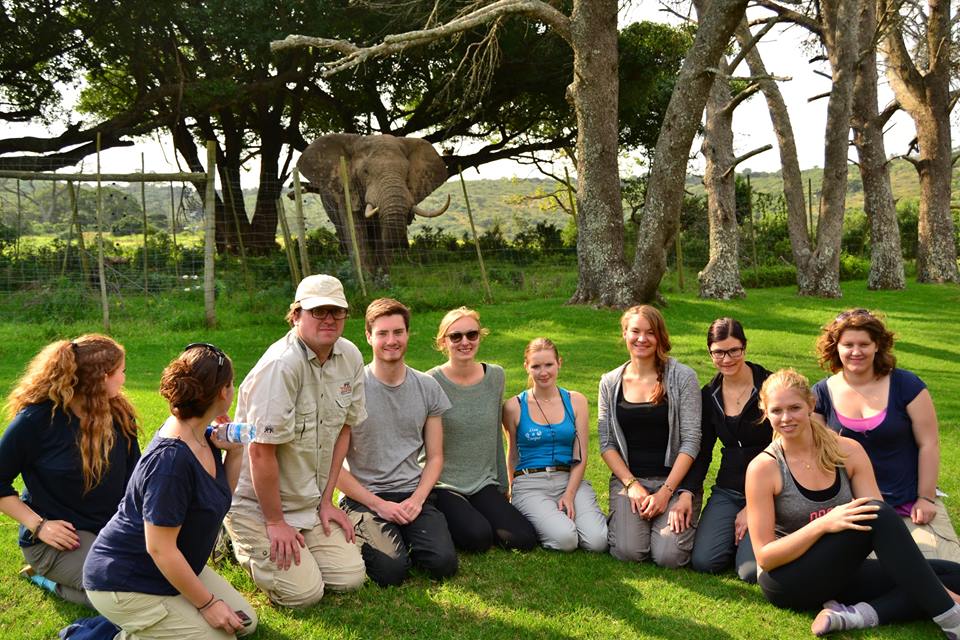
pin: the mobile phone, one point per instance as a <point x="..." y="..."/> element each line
<point x="244" y="618"/>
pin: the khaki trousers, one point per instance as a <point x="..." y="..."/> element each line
<point x="143" y="616"/>
<point x="326" y="561"/>
<point x="937" y="539"/>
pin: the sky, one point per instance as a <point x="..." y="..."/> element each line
<point x="783" y="53"/>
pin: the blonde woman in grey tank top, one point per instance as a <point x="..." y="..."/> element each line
<point x="814" y="513"/>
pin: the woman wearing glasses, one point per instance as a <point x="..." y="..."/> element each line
<point x="73" y="439"/>
<point x="548" y="432"/>
<point x="147" y="570"/>
<point x="889" y="411"/>
<point x="473" y="487"/>
<point x="732" y="414"/>
<point x="649" y="424"/>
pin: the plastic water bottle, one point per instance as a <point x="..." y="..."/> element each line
<point x="241" y="432"/>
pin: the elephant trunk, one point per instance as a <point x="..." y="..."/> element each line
<point x="392" y="206"/>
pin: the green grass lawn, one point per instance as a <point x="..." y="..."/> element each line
<point x="501" y="594"/>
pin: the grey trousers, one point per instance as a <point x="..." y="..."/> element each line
<point x="714" y="548"/>
<point x="63" y="567"/>
<point x="536" y="495"/>
<point x="634" y="539"/>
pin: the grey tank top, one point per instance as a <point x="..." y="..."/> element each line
<point x="793" y="509"/>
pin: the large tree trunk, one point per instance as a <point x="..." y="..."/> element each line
<point x="783" y="129"/>
<point x="720" y="278"/>
<point x="661" y="214"/>
<point x="602" y="277"/>
<point x="925" y="95"/>
<point x="819" y="273"/>
<point x="886" y="255"/>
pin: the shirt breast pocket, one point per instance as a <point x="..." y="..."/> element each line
<point x="305" y="425"/>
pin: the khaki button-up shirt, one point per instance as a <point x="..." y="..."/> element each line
<point x="300" y="405"/>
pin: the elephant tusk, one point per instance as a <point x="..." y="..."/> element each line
<point x="432" y="214"/>
<point x="370" y="211"/>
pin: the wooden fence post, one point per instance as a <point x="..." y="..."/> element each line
<point x="143" y="206"/>
<point x="295" y="276"/>
<point x="301" y="225"/>
<point x="173" y="233"/>
<point x="210" y="237"/>
<point x="104" y="301"/>
<point x="345" y="177"/>
<point x="476" y="240"/>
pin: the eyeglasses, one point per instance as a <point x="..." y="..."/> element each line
<point x="322" y="313"/>
<point x="457" y="336"/>
<point x="843" y="315"/>
<point x="718" y="354"/>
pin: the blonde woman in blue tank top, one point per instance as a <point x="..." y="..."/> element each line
<point x="547" y="430"/>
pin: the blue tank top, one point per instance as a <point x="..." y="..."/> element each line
<point x="545" y="445"/>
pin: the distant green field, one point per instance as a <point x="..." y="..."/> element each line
<point x="501" y="595"/>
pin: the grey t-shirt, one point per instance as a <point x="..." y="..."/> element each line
<point x="384" y="448"/>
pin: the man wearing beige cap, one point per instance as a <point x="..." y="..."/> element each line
<point x="302" y="396"/>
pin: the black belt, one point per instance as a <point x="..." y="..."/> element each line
<point x="526" y="472"/>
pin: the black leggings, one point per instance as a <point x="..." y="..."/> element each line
<point x="900" y="585"/>
<point x="485" y="518"/>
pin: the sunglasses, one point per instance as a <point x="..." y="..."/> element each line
<point x="322" y="313"/>
<point x="849" y="313"/>
<point x="221" y="356"/>
<point x="457" y="336"/>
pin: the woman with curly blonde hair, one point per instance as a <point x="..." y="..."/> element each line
<point x="73" y="439"/>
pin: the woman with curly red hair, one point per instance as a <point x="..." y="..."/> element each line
<point x="889" y="411"/>
<point x="73" y="439"/>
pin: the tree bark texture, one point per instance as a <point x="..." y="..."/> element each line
<point x="720" y="278"/>
<point x="661" y="214"/>
<point x="819" y="273"/>
<point x="925" y="95"/>
<point x="783" y="129"/>
<point x="602" y="272"/>
<point x="886" y="255"/>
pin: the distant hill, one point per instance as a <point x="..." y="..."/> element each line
<point x="903" y="181"/>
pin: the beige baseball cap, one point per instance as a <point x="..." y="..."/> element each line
<point x="319" y="291"/>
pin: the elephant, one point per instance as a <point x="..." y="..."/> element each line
<point x="388" y="177"/>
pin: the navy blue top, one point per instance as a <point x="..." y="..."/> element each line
<point x="43" y="449"/>
<point x="169" y="488"/>
<point x="545" y="445"/>
<point x="891" y="445"/>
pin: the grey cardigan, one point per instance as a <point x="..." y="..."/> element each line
<point x="683" y="396"/>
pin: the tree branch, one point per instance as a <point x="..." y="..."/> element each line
<point x="789" y="15"/>
<point x="740" y="97"/>
<point x="769" y="23"/>
<point x="746" y="156"/>
<point x="818" y="97"/>
<point x="884" y="116"/>
<point x="353" y="56"/>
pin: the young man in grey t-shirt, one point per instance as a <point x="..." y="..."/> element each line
<point x="388" y="496"/>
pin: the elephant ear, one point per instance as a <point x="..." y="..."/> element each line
<point x="427" y="170"/>
<point x="320" y="164"/>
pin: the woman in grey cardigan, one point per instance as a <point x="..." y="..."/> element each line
<point x="649" y="424"/>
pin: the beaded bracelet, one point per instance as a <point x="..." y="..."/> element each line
<point x="930" y="500"/>
<point x="35" y="534"/>
<point x="668" y="487"/>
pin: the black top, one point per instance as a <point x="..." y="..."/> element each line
<point x="742" y="436"/>
<point x="646" y="428"/>
<point x="169" y="488"/>
<point x="819" y="495"/>
<point x="43" y="449"/>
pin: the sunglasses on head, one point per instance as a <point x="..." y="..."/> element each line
<point x="849" y="313"/>
<point x="457" y="336"/>
<point x="216" y="351"/>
